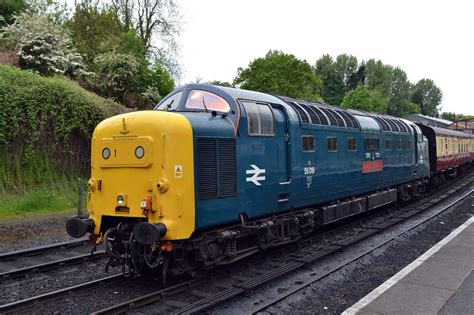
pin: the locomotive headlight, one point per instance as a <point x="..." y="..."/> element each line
<point x="120" y="200"/>
<point x="139" y="152"/>
<point x="106" y="153"/>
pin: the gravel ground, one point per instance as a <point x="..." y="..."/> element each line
<point x="340" y="290"/>
<point x="34" y="231"/>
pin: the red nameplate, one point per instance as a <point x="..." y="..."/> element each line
<point x="372" y="166"/>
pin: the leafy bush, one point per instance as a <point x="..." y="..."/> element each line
<point x="45" y="127"/>
<point x="43" y="46"/>
<point x="115" y="73"/>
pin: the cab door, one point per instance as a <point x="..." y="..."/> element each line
<point x="282" y="145"/>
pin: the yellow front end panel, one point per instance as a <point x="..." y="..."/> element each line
<point x="140" y="156"/>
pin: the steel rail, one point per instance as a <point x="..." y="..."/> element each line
<point x="14" y="273"/>
<point x="6" y="256"/>
<point x="14" y="307"/>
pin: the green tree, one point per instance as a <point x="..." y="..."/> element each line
<point x="364" y="99"/>
<point x="335" y="75"/>
<point x="220" y="83"/>
<point x="10" y="8"/>
<point x="400" y="99"/>
<point x="378" y="77"/>
<point x="428" y="96"/>
<point x="450" y="116"/>
<point x="95" y="31"/>
<point x="55" y="11"/>
<point x="333" y="85"/>
<point x="157" y="23"/>
<point x="346" y="66"/>
<point x="282" y="74"/>
<point x="160" y="84"/>
<point x="357" y="78"/>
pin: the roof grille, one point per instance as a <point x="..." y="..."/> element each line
<point x="319" y="114"/>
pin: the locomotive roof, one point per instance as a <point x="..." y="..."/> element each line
<point x="316" y="113"/>
<point x="251" y="95"/>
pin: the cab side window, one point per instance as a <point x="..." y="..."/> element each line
<point x="171" y="103"/>
<point x="260" y="119"/>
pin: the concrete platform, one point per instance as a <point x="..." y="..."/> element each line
<point x="441" y="281"/>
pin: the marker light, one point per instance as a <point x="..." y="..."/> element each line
<point x="106" y="153"/>
<point x="139" y="152"/>
<point x="120" y="200"/>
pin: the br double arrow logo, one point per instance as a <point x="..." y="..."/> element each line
<point x="255" y="172"/>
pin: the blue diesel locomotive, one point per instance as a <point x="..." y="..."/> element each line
<point x="253" y="171"/>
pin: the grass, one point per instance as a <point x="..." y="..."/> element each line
<point x="50" y="199"/>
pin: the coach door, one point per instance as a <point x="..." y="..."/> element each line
<point x="282" y="145"/>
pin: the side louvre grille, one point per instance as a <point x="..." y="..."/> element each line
<point x="216" y="162"/>
<point x="207" y="167"/>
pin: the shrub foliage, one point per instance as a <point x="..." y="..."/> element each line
<point x="43" y="46"/>
<point x="45" y="127"/>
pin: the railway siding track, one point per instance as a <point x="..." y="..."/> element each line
<point x="198" y="296"/>
<point x="44" y="258"/>
<point x="23" y="305"/>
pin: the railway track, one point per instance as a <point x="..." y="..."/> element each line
<point x="200" y="294"/>
<point x="44" y="258"/>
<point x="30" y="303"/>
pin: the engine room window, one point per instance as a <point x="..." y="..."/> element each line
<point x="388" y="144"/>
<point x="171" y="103"/>
<point x="260" y="119"/>
<point x="331" y="144"/>
<point x="399" y="144"/>
<point x="371" y="144"/>
<point x="352" y="144"/>
<point x="308" y="143"/>
<point x="207" y="101"/>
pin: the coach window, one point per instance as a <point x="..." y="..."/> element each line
<point x="331" y="144"/>
<point x="260" y="119"/>
<point x="206" y="101"/>
<point x="409" y="144"/>
<point x="371" y="144"/>
<point x="351" y="144"/>
<point x="308" y="143"/>
<point x="388" y="144"/>
<point x="399" y="144"/>
<point x="171" y="103"/>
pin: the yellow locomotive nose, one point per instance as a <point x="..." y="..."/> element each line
<point x="142" y="170"/>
